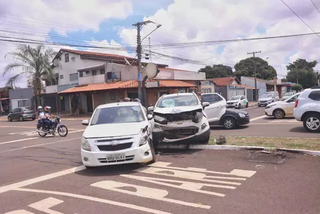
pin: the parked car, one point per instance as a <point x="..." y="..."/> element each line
<point x="287" y="95"/>
<point x="117" y="133"/>
<point x="268" y="98"/>
<point x="22" y="113"/>
<point x="238" y="102"/>
<point x="307" y="109"/>
<point x="179" y="119"/>
<point x="218" y="114"/>
<point x="282" y="108"/>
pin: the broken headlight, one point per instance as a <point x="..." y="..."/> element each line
<point x="198" y="116"/>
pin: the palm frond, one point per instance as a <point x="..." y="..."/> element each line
<point x="11" y="81"/>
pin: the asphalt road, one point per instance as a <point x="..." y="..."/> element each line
<point x="45" y="175"/>
<point x="265" y="126"/>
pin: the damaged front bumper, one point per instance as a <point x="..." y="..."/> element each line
<point x="182" y="132"/>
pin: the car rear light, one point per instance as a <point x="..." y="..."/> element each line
<point x="297" y="102"/>
<point x="22" y="112"/>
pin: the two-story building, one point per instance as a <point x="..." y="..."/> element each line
<point x="86" y="79"/>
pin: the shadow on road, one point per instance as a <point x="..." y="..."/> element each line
<point x="271" y="118"/>
<point x="110" y="170"/>
<point x="302" y="130"/>
<point x="222" y="128"/>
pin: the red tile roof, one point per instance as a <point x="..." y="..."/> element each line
<point x="126" y="84"/>
<point x="90" y="53"/>
<point x="223" y="81"/>
<point x="173" y="69"/>
<point x="243" y="86"/>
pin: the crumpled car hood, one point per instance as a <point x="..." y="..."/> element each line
<point x="176" y="110"/>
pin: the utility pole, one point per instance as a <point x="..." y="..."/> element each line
<point x="149" y="49"/>
<point x="139" y="50"/>
<point x="255" y="73"/>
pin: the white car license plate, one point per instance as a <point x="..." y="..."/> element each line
<point x="116" y="157"/>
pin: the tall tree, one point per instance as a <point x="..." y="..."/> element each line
<point x="302" y="72"/>
<point x="217" y="71"/>
<point x="35" y="63"/>
<point x="246" y="68"/>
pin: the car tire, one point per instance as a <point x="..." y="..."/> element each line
<point x="247" y="105"/>
<point x="9" y="119"/>
<point x="279" y="114"/>
<point x="311" y="123"/>
<point x="21" y="118"/>
<point x="259" y="105"/>
<point x="239" y="106"/>
<point x="229" y="123"/>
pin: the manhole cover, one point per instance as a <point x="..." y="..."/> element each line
<point x="267" y="157"/>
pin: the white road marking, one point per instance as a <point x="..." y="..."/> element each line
<point x="19" y="140"/>
<point x="186" y="175"/>
<point x="236" y="172"/>
<point x="40" y="179"/>
<point x="285" y="121"/>
<point x="145" y="192"/>
<point x="38" y="145"/>
<point x="95" y="199"/>
<point x="45" y="205"/>
<point x="185" y="185"/>
<point x="19" y="212"/>
<point x="257" y="118"/>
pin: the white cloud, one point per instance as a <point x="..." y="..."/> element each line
<point x="205" y="20"/>
<point x="34" y="19"/>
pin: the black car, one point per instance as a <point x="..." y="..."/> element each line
<point x="22" y="113"/>
<point x="233" y="118"/>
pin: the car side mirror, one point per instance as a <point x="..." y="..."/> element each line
<point x="85" y="122"/>
<point x="149" y="116"/>
<point x="150" y="109"/>
<point x="205" y="104"/>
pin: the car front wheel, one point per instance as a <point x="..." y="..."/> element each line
<point x="229" y="123"/>
<point x="9" y="119"/>
<point x="278" y="114"/>
<point x="312" y="123"/>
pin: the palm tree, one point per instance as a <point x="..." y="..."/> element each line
<point x="35" y="64"/>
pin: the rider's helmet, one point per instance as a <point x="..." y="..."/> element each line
<point x="39" y="108"/>
<point x="47" y="108"/>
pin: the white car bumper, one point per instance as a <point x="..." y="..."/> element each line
<point x="269" y="111"/>
<point x="140" y="154"/>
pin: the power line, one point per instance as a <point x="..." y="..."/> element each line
<point x="315" y="6"/>
<point x="299" y="17"/>
<point x="192" y="44"/>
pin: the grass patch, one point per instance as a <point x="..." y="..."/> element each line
<point x="274" y="142"/>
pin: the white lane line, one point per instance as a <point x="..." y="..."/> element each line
<point x="285" y="121"/>
<point x="38" y="145"/>
<point x="95" y="199"/>
<point x="20" y="140"/>
<point x="40" y="179"/>
<point x="257" y="118"/>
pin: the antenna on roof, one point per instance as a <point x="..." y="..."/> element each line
<point x="127" y="61"/>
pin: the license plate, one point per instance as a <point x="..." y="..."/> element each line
<point x="116" y="157"/>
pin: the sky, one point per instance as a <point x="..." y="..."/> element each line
<point x="108" y="24"/>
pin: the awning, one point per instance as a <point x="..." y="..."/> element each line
<point x="4" y="98"/>
<point x="127" y="84"/>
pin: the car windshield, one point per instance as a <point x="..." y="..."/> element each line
<point x="235" y="98"/>
<point x="174" y="101"/>
<point x="288" y="94"/>
<point x="266" y="95"/>
<point x="119" y="114"/>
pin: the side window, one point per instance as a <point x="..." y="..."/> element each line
<point x="74" y="77"/>
<point x="102" y="71"/>
<point x="211" y="98"/>
<point x="315" y="95"/>
<point x="94" y="72"/>
<point x="15" y="110"/>
<point x="81" y="74"/>
<point x="66" y="57"/>
<point x="242" y="98"/>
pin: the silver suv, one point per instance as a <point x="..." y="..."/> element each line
<point x="307" y="109"/>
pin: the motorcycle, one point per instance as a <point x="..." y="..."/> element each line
<point x="55" y="127"/>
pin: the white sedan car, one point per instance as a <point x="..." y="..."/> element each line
<point x="283" y="108"/>
<point x="238" y="102"/>
<point x="118" y="133"/>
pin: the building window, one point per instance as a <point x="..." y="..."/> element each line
<point x="74" y="77"/>
<point x="81" y="74"/>
<point x="94" y="72"/>
<point x="182" y="91"/>
<point x="87" y="72"/>
<point x="22" y="103"/>
<point x="66" y="57"/>
<point x="102" y="71"/>
<point x="61" y="76"/>
<point x="109" y="75"/>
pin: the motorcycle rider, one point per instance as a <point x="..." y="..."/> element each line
<point x="41" y="117"/>
<point x="48" y="117"/>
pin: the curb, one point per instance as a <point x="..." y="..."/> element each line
<point x="253" y="148"/>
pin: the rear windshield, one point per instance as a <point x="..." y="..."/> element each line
<point x="27" y="108"/>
